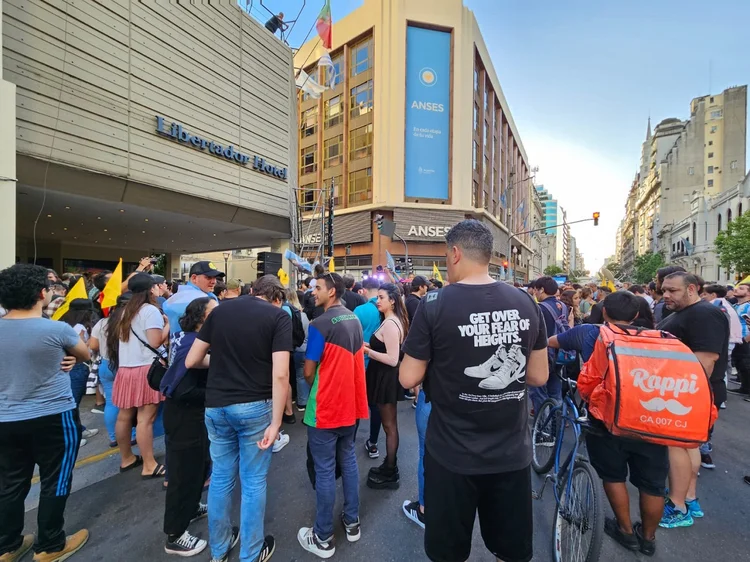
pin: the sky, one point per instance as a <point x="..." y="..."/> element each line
<point x="581" y="79"/>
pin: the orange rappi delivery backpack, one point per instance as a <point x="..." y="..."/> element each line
<point x="648" y="385"/>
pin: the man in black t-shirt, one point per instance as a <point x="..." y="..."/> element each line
<point x="704" y="328"/>
<point x="476" y="344"/>
<point x="351" y="300"/>
<point x="419" y="286"/>
<point x="246" y="390"/>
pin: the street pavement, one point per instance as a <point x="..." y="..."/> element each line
<point x="124" y="513"/>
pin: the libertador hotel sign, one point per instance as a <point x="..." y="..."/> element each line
<point x="177" y="132"/>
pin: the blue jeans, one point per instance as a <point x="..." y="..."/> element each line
<point x="234" y="432"/>
<point x="107" y="380"/>
<point x="325" y="445"/>
<point x="422" y="417"/>
<point x="303" y="388"/>
<point x="79" y="375"/>
<point x="553" y="389"/>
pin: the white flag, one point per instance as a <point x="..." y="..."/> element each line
<point x="307" y="84"/>
<point x="325" y="63"/>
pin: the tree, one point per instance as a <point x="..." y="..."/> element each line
<point x="552" y="270"/>
<point x="646" y="265"/>
<point x="160" y="267"/>
<point x="732" y="245"/>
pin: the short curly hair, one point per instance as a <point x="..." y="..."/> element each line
<point x="21" y="286"/>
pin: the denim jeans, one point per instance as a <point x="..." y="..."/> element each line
<point x="79" y="375"/>
<point x="107" y="380"/>
<point x="325" y="444"/>
<point x="234" y="432"/>
<point x="553" y="389"/>
<point x="422" y="417"/>
<point x="303" y="388"/>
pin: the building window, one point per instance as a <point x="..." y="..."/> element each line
<point x="338" y="190"/>
<point x="332" y="151"/>
<point x="710" y="154"/>
<point x="710" y="183"/>
<point x="308" y="197"/>
<point x="713" y="129"/>
<point x="716" y="114"/>
<point x="733" y="165"/>
<point x="475" y="194"/>
<point x="691" y="171"/>
<point x="476" y="117"/>
<point x="476" y="79"/>
<point x="729" y="216"/>
<point x="712" y="99"/>
<point x="308" y="162"/>
<point x="710" y="169"/>
<point x="695" y="230"/>
<point x="475" y="157"/>
<point x="718" y="222"/>
<point x="334" y="111"/>
<point x="360" y="142"/>
<point x="360" y="186"/>
<point x="361" y="99"/>
<point x="486" y="170"/>
<point x="309" y="124"/>
<point x="739" y="210"/>
<point x="486" y="95"/>
<point x="486" y="134"/>
<point x="710" y="143"/>
<point x="334" y="76"/>
<point x="361" y="57"/>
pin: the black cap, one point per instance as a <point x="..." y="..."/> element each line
<point x="81" y="304"/>
<point x="158" y="279"/>
<point x="206" y="268"/>
<point x="140" y="283"/>
<point x="418" y="282"/>
<point x="123" y="299"/>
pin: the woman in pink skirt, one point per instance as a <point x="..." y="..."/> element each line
<point x="137" y="338"/>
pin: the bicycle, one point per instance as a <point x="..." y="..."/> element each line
<point x="579" y="511"/>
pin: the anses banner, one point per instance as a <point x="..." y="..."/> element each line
<point x="427" y="147"/>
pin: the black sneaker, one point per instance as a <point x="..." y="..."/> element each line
<point x="267" y="550"/>
<point x="612" y="528"/>
<point x="738" y="391"/>
<point x="383" y="477"/>
<point x="707" y="461"/>
<point x="201" y="512"/>
<point x="185" y="545"/>
<point x="372" y="449"/>
<point x="302" y="408"/>
<point x="232" y="543"/>
<point x="352" y="529"/>
<point x="412" y="511"/>
<point x="645" y="546"/>
<point x="746" y="480"/>
<point x="289" y="419"/>
<point x="312" y="543"/>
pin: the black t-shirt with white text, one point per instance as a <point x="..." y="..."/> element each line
<point x="703" y="327"/>
<point x="477" y="339"/>
<point x="243" y="334"/>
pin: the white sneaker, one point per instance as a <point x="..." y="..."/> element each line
<point x="311" y="543"/>
<point x="82" y="443"/>
<point x="281" y="441"/>
<point x="185" y="545"/>
<point x="89" y="433"/>
<point x="489" y="367"/>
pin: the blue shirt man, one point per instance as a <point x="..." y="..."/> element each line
<point x="368" y="313"/>
<point x="203" y="276"/>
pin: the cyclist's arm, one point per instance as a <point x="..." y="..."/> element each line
<point x="552" y="342"/>
<point x="537" y="368"/>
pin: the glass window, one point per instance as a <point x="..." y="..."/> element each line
<point x="733" y="165"/>
<point x="691" y="171"/>
<point x="710" y="154"/>
<point x="308" y="162"/>
<point x="713" y="128"/>
<point x="360" y="142"/>
<point x="308" y="197"/>
<point x="334" y="76"/>
<point x="360" y="186"/>
<point x="332" y="151"/>
<point x="486" y="134"/>
<point x="361" y="99"/>
<point x="475" y="157"/>
<point x="334" y="111"/>
<point x="486" y="95"/>
<point x="710" y="143"/>
<point x="361" y="55"/>
<point x="309" y="123"/>
<point x="476" y="117"/>
<point x="716" y="114"/>
<point x="710" y="169"/>
<point x="475" y="195"/>
<point x="710" y="183"/>
<point x="486" y="171"/>
<point x="476" y="79"/>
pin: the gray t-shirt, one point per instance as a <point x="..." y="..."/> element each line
<point x="31" y="382"/>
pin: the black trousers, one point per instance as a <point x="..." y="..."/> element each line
<point x="189" y="463"/>
<point x="741" y="356"/>
<point x="52" y="443"/>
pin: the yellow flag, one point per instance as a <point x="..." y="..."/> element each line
<point x="113" y="288"/>
<point x="331" y="266"/>
<point x="283" y="277"/>
<point x="436" y="272"/>
<point x="745" y="280"/>
<point x="77" y="292"/>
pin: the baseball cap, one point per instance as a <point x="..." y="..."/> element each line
<point x="81" y="304"/>
<point x="140" y="283"/>
<point x="206" y="268"/>
<point x="233" y="284"/>
<point x="158" y="279"/>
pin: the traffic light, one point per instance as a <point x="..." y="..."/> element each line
<point x="596" y="219"/>
<point x="378" y="220"/>
<point x="505" y="264"/>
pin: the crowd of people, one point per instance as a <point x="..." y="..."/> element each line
<point x="226" y="364"/>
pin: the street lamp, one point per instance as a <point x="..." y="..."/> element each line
<point x="226" y="262"/>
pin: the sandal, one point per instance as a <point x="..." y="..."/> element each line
<point x="159" y="472"/>
<point x="138" y="462"/>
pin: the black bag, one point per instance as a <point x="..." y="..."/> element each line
<point x="298" y="329"/>
<point x="158" y="366"/>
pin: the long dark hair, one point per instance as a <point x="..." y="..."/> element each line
<point x="112" y="334"/>
<point x="87" y="317"/>
<point x="399" y="308"/>
<point x="195" y="313"/>
<point x="135" y="303"/>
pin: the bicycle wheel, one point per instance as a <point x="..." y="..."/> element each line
<point x="578" y="528"/>
<point x="544" y="436"/>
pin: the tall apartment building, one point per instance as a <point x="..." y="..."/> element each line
<point x="555" y="221"/>
<point x="550" y="209"/>
<point x="415" y="128"/>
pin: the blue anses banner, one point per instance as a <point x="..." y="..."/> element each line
<point x="427" y="150"/>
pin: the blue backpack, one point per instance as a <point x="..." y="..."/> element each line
<point x="561" y="357"/>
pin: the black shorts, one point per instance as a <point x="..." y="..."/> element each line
<point x="612" y="457"/>
<point x="451" y="504"/>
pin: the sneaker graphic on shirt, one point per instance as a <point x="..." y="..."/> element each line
<point x="492" y="365"/>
